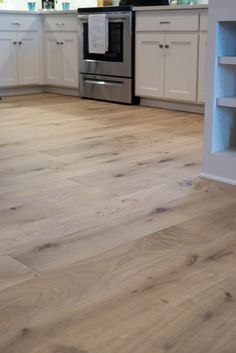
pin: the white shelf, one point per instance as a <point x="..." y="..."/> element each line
<point x="227" y="60"/>
<point x="226" y="102"/>
<point x="229" y="151"/>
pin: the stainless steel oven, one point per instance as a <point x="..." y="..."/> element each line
<point x="108" y="76"/>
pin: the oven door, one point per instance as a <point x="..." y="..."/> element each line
<point x="117" y="61"/>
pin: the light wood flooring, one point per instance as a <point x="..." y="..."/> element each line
<point x="109" y="240"/>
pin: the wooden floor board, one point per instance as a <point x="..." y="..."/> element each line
<point x="109" y="240"/>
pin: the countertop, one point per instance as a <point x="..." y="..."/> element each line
<point x="136" y="8"/>
<point x="170" y="8"/>
<point x="39" y="12"/>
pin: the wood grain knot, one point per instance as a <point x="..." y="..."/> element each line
<point x="25" y="331"/>
<point x="187" y="165"/>
<point x="118" y="175"/>
<point x="159" y="210"/>
<point x="164" y="301"/>
<point x="167" y="346"/>
<point x="67" y="349"/>
<point x="143" y="163"/>
<point x="228" y="296"/>
<point x="47" y="246"/>
<point x="207" y="316"/>
<point x="219" y="255"/>
<point x="192" y="259"/>
<point x="186" y="183"/>
<point x="165" y="160"/>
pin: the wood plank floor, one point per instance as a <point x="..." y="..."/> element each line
<point x="109" y="240"/>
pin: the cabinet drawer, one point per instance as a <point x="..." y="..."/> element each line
<point x="19" y="22"/>
<point x="203" y="22"/>
<point x="154" y="21"/>
<point x="60" y="23"/>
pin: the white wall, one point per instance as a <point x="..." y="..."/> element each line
<point x="22" y="4"/>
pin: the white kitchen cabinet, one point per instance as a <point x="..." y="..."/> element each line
<point x="166" y="65"/>
<point x="61" y="50"/>
<point x="8" y="59"/>
<point x="202" y="67"/>
<point x="70" y="70"/>
<point x="19" y="59"/>
<point x="20" y="50"/>
<point x="28" y="58"/>
<point x="61" y="59"/>
<point x="150" y="65"/>
<point x="181" y="66"/>
<point x="52" y="58"/>
<point x="170" y="55"/>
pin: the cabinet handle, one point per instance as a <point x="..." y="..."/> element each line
<point x="15" y="24"/>
<point x="164" y="22"/>
<point x="19" y="43"/>
<point x="167" y="46"/>
<point x="61" y="43"/>
<point x="60" y="24"/>
<point x="58" y="43"/>
<point x="161" y="46"/>
<point x="14" y="43"/>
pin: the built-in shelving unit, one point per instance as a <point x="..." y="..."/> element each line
<point x="226" y="102"/>
<point x="227" y="60"/>
<point x="220" y="115"/>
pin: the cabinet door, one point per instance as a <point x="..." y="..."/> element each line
<point x="53" y="57"/>
<point x="149" y="65"/>
<point x="202" y="67"/>
<point x="8" y="59"/>
<point x="69" y="64"/>
<point x="181" y="66"/>
<point x="28" y="58"/>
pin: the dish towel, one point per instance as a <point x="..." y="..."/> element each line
<point x="98" y="34"/>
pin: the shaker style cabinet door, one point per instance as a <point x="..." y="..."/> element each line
<point x="53" y="50"/>
<point x="28" y="58"/>
<point x="69" y="63"/>
<point x="181" y="66"/>
<point x="149" y="65"/>
<point x="202" y="67"/>
<point x="8" y="59"/>
<point x="61" y="59"/>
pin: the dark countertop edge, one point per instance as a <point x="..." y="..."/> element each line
<point x="170" y="8"/>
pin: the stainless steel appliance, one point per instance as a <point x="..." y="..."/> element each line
<point x="108" y="76"/>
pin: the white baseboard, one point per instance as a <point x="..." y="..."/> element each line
<point x="14" y="91"/>
<point x="173" y="105"/>
<point x="219" y="179"/>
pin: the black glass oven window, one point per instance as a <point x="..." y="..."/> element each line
<point x="115" y="45"/>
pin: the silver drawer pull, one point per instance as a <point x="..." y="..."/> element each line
<point x="15" y="24"/>
<point x="60" y="24"/>
<point x="165" y="23"/>
<point x="104" y="83"/>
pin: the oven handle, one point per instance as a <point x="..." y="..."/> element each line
<point x="109" y="16"/>
<point x="103" y="83"/>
